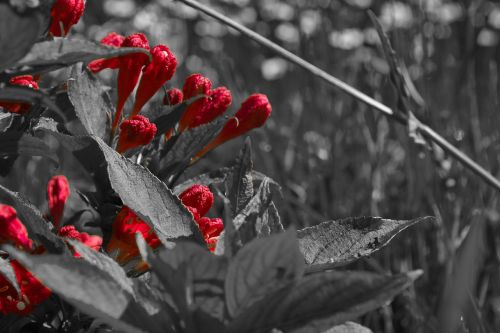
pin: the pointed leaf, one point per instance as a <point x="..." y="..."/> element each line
<point x="269" y="223"/>
<point x="240" y="183"/>
<point x="38" y="228"/>
<point x="246" y="220"/>
<point x="63" y="52"/>
<point x="92" y="104"/>
<point x="138" y="188"/>
<point x="24" y="94"/>
<point x="340" y="242"/>
<point x="262" y="266"/>
<point x="8" y="272"/>
<point x="322" y="300"/>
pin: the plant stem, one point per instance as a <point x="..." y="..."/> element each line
<point x="425" y="130"/>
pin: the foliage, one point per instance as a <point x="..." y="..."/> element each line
<point x="179" y="270"/>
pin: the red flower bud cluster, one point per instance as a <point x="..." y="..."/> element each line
<point x="130" y="67"/>
<point x="253" y="113"/>
<point x="135" y="132"/>
<point x="58" y="192"/>
<point x="198" y="199"/>
<point x="25" y="81"/>
<point x="65" y="14"/>
<point x="92" y="241"/>
<point x="122" y="244"/>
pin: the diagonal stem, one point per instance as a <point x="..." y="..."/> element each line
<point x="425" y="130"/>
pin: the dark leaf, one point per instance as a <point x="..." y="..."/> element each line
<point x="208" y="273"/>
<point x="262" y="266"/>
<point x="19" y="143"/>
<point x="269" y="223"/>
<point x="240" y="183"/>
<point x="189" y="142"/>
<point x="38" y="228"/>
<point x="340" y="242"/>
<point x="322" y="300"/>
<point x="63" y="52"/>
<point x="165" y="122"/>
<point x="88" y="288"/>
<point x="92" y="104"/>
<point x="246" y="220"/>
<point x="18" y="32"/>
<point x="24" y="94"/>
<point x="178" y="282"/>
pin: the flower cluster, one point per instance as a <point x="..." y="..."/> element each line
<point x="14" y="232"/>
<point x="213" y="103"/>
<point x="198" y="199"/>
<point x="122" y="246"/>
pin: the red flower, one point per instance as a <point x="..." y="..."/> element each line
<point x="65" y="14"/>
<point x="112" y="39"/>
<point x="57" y="193"/>
<point x="253" y="113"/>
<point x="160" y="70"/>
<point x="130" y="71"/>
<point x="196" y="84"/>
<point x="198" y="197"/>
<point x="135" y="132"/>
<point x="25" y="81"/>
<point x="173" y="97"/>
<point x="206" y="109"/>
<point x="211" y="229"/>
<point x="92" y="241"/>
<point x="33" y="292"/>
<point x="125" y="225"/>
<point x="12" y="230"/>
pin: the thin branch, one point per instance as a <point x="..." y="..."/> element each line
<point x="425" y="130"/>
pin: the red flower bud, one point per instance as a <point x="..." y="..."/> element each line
<point x="125" y="225"/>
<point x="198" y="197"/>
<point x="205" y="110"/>
<point x="25" y="81"/>
<point x="112" y="39"/>
<point x="196" y="84"/>
<point x="173" y="97"/>
<point x="65" y="13"/>
<point x="160" y="70"/>
<point x="57" y="193"/>
<point x="211" y="229"/>
<point x="253" y="113"/>
<point x="12" y="230"/>
<point x="92" y="241"/>
<point x="135" y="132"/>
<point x="33" y="292"/>
<point x="130" y="71"/>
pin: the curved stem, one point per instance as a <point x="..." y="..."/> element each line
<point x="425" y="130"/>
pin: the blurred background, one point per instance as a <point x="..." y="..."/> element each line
<point x="335" y="157"/>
